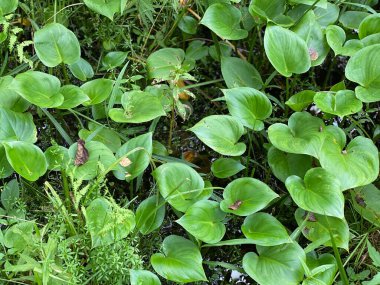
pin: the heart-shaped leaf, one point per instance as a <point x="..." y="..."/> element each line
<point x="322" y="268"/>
<point x="327" y="16"/>
<point x="106" y="7"/>
<point x="366" y="201"/>
<point x="141" y="148"/>
<point x="106" y="136"/>
<point x="81" y="69"/>
<point x="108" y="223"/>
<point x="17" y="126"/>
<point x="264" y="229"/>
<point x="39" y="88"/>
<point x="341" y="103"/>
<point x="245" y="196"/>
<point x="139" y="107"/>
<point x="317" y="229"/>
<point x="8" y="6"/>
<point x="54" y="44"/>
<point x="285" y="164"/>
<point x="204" y="220"/>
<point x="150" y="214"/>
<point x="226" y="142"/>
<point x="370" y="25"/>
<point x="249" y="106"/>
<point x="143" y="277"/>
<point x="282" y="262"/>
<point x="97" y="90"/>
<point x="352" y="19"/>
<point x="179" y="252"/>
<point x="180" y="185"/>
<point x="267" y="9"/>
<point x="286" y="51"/>
<point x="226" y="167"/>
<point x="26" y="159"/>
<point x="301" y="100"/>
<point x="9" y="98"/>
<point x="114" y="59"/>
<point x="357" y="165"/>
<point x="319" y="192"/>
<point x="364" y="69"/>
<point x="224" y="20"/>
<point x="240" y="73"/>
<point x="73" y="97"/>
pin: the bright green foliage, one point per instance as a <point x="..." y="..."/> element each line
<point x="81" y="69"/>
<point x="73" y="96"/>
<point x="226" y="167"/>
<point x="143" y="277"/>
<point x="97" y="90"/>
<point x="239" y="73"/>
<point x="341" y="103"/>
<point x="150" y="214"/>
<point x="106" y="7"/>
<point x="366" y="201"/>
<point x="301" y="100"/>
<point x="8" y="6"/>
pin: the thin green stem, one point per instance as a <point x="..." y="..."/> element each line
<point x="66" y="190"/>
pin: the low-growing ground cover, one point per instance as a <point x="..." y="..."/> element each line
<point x="203" y="142"/>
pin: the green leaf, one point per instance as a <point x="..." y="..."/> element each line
<point x="108" y="137"/>
<point x="138" y="107"/>
<point x="98" y="154"/>
<point x="10" y="194"/>
<point x="54" y="44"/>
<point x="282" y="262"/>
<point x="26" y="159"/>
<point x="286" y="51"/>
<point x="165" y="63"/>
<point x="366" y="201"/>
<point x="150" y="215"/>
<point x="180" y="185"/>
<point x="317" y="228"/>
<point x="364" y="69"/>
<point x="97" y="90"/>
<point x="196" y="50"/>
<point x="301" y="100"/>
<point x="304" y="134"/>
<point x="352" y="19"/>
<point x="226" y="167"/>
<point x="245" y="196"/>
<point x="264" y="229"/>
<point x="240" y="73"/>
<point x="322" y="268"/>
<point x="285" y="164"/>
<point x="5" y="168"/>
<point x="114" y="59"/>
<point x="357" y="165"/>
<point x="267" y="9"/>
<point x="204" y="220"/>
<point x="8" y="6"/>
<point x="373" y="254"/>
<point x="73" y="97"/>
<point x="107" y="223"/>
<point x="370" y="25"/>
<point x="19" y="236"/>
<point x="139" y="159"/>
<point x="226" y="142"/>
<point x="39" y="88"/>
<point x="106" y="7"/>
<point x="188" y="25"/>
<point x="143" y="277"/>
<point x="57" y="157"/>
<point x="180" y="262"/>
<point x="17" y="126"/>
<point x="224" y="20"/>
<point x="9" y="98"/>
<point x="327" y="16"/>
<point x="81" y="69"/>
<point x="249" y="106"/>
<point x="336" y="37"/>
<point x="319" y="192"/>
<point x="375" y="280"/>
<point x="341" y="103"/>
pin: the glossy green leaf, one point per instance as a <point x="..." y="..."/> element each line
<point x="106" y="7"/>
<point x="138" y="107"/>
<point x="54" y="44"/>
<point x="17" y="126"/>
<point x="341" y="103"/>
<point x="57" y="157"/>
<point x="204" y="220"/>
<point x="239" y="73"/>
<point x="366" y="201"/>
<point x="9" y="98"/>
<point x="196" y="50"/>
<point x="370" y="25"/>
<point x="143" y="277"/>
<point x="321" y="3"/>
<point x="180" y="185"/>
<point x="73" y="97"/>
<point x="327" y="16"/>
<point x="114" y="59"/>
<point x="5" y="168"/>
<point x="165" y="63"/>
<point x="285" y="164"/>
<point x="336" y="37"/>
<point x="226" y="142"/>
<point x="265" y="230"/>
<point x="286" y="51"/>
<point x="226" y="167"/>
<point x="108" y="223"/>
<point x="26" y="159"/>
<point x="180" y="261"/>
<point x="301" y="100"/>
<point x="81" y="69"/>
<point x="272" y="264"/>
<point x="224" y="20"/>
<point x="356" y="165"/>
<point x="364" y="69"/>
<point x="352" y="19"/>
<point x="319" y="192"/>
<point x="108" y="137"/>
<point x="139" y="159"/>
<point x="97" y="90"/>
<point x="267" y="9"/>
<point x="39" y="88"/>
<point x="317" y="229"/>
<point x="188" y="25"/>
<point x="98" y="154"/>
<point x="8" y="6"/>
<point x="250" y="106"/>
<point x="322" y="268"/>
<point x="150" y="214"/>
<point x="245" y="196"/>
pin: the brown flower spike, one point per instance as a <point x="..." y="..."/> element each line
<point x="81" y="156"/>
